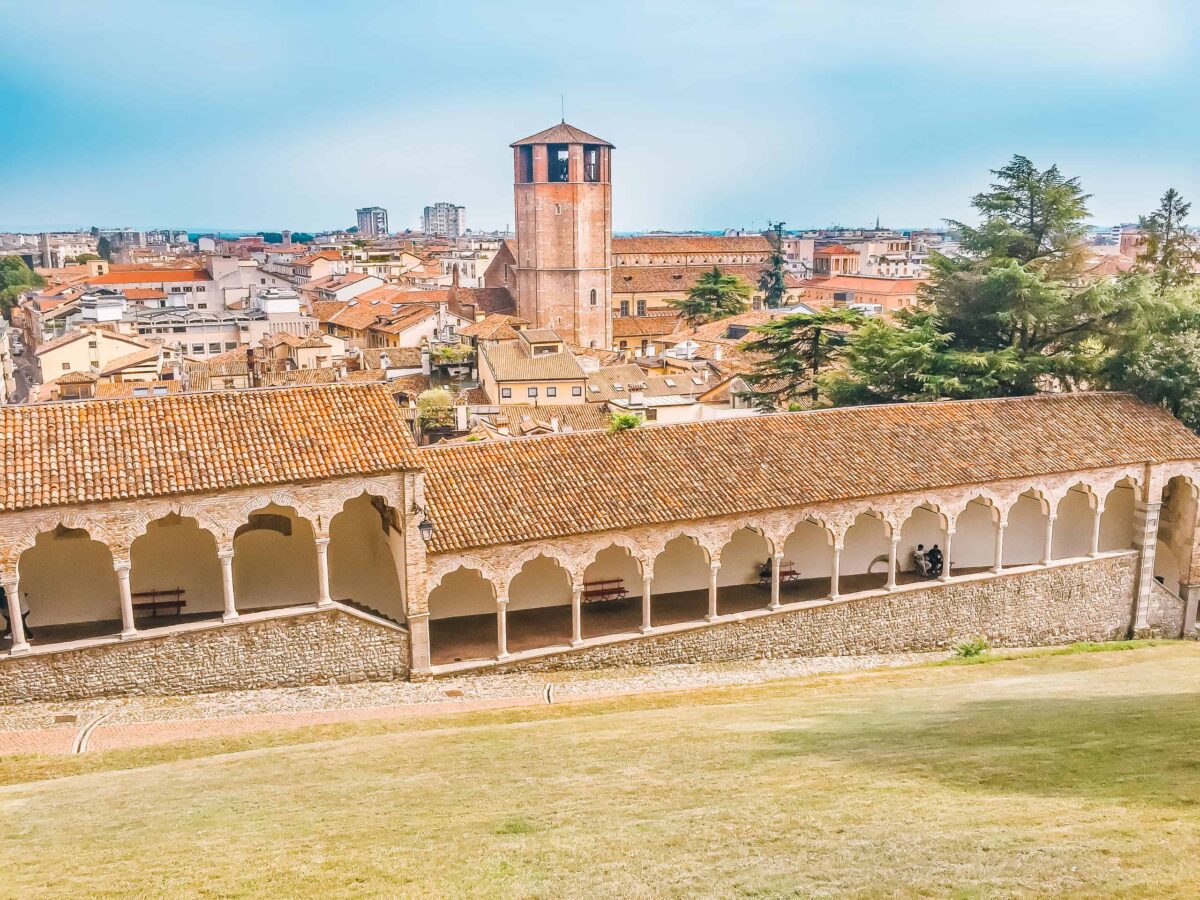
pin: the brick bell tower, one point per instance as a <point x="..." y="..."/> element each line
<point x="563" y="192"/>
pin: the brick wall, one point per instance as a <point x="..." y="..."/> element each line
<point x="315" y="647"/>
<point x="1089" y="600"/>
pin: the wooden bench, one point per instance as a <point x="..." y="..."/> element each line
<point x="603" y="590"/>
<point x="153" y="601"/>
<point x="787" y="572"/>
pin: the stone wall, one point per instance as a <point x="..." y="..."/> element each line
<point x="1090" y="600"/>
<point x="313" y="647"/>
<point x="1166" y="612"/>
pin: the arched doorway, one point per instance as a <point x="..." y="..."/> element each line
<point x="924" y="529"/>
<point x="974" y="545"/>
<point x="274" y="560"/>
<point x="176" y="554"/>
<point x="864" y="559"/>
<point x="1025" y="536"/>
<point x="808" y="557"/>
<point x="680" y="587"/>
<point x="612" y="593"/>
<point x="1074" y="523"/>
<point x="362" y="567"/>
<point x="539" y="605"/>
<point x="68" y="581"/>
<point x="1117" y="520"/>
<point x="462" y="618"/>
<point x="745" y="559"/>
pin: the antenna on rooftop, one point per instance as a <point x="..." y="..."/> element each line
<point x="562" y="103"/>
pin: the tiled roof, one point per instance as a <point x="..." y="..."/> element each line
<point x="109" y="391"/>
<point x="691" y="243"/>
<point x="397" y="357"/>
<point x="327" y="375"/>
<point x="602" y="384"/>
<point x="151" y="276"/>
<point x="644" y="326"/>
<point x="494" y="327"/>
<point x="562" y="133"/>
<point x="661" y="279"/>
<point x="547" y="487"/>
<point x="522" y="418"/>
<point x="72" y="336"/>
<point x="836" y="250"/>
<point x="62" y="453"/>
<point x="509" y="362"/>
<point x="144" y="294"/>
<point x="136" y="358"/>
<point x="866" y="284"/>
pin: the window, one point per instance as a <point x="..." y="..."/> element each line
<point x="592" y="298"/>
<point x="551" y="392"/>
<point x="231" y="345"/>
<point x="591" y="163"/>
<point x="531" y="392"/>
<point x="641" y="307"/>
<point x="624" y="307"/>
<point x="558" y="158"/>
<point x="577" y="391"/>
<point x="201" y="287"/>
<point x="524" y="164"/>
<point x="506" y="393"/>
<point x="197" y="348"/>
<point x="66" y="367"/>
<point x="214" y="347"/>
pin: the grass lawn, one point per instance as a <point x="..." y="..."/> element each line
<point x="1073" y="774"/>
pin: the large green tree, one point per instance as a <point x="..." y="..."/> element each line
<point x="793" y="351"/>
<point x="15" y="279"/>
<point x="1016" y="304"/>
<point x="1170" y="252"/>
<point x="1159" y="360"/>
<point x="715" y="295"/>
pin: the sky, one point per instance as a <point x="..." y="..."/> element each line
<point x="270" y="115"/>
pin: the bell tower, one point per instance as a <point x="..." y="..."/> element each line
<point x="563" y="192"/>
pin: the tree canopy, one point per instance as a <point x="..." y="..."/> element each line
<point x="793" y="351"/>
<point x="1170" y="253"/>
<point x="15" y="279"/>
<point x="772" y="281"/>
<point x="716" y="295"/>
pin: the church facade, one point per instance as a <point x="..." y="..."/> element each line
<point x="295" y="536"/>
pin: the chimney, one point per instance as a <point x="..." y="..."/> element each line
<point x="426" y="367"/>
<point x="637" y="396"/>
<point x="554" y="423"/>
<point x="718" y="353"/>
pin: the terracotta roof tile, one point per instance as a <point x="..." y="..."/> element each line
<point x="547" y="487"/>
<point x="562" y="133"/>
<point x="691" y="243"/>
<point x="62" y="453"/>
<point x="661" y="279"/>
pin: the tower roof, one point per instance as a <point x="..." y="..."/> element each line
<point x="562" y="133"/>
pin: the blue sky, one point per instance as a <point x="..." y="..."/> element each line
<point x="265" y="115"/>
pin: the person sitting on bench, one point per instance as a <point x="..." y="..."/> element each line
<point x="7" y="621"/>
<point x="921" y="561"/>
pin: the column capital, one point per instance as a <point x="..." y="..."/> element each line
<point x="714" y="567"/>
<point x="502" y="601"/>
<point x="950" y="532"/>
<point x="895" y="539"/>
<point x="121" y="566"/>
<point x="321" y="540"/>
<point x="778" y="555"/>
<point x="225" y="553"/>
<point x="839" y="545"/>
<point x="1051" y="517"/>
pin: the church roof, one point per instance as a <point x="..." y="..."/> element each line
<point x="562" y="133"/>
<point x="489" y="493"/>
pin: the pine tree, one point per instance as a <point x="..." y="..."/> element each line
<point x="714" y="296"/>
<point x="794" y="350"/>
<point x="772" y="281"/>
<point x="1170" y="252"/>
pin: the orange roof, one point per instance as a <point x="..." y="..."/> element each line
<point x="62" y="453"/>
<point x="691" y="243"/>
<point x="644" y="326"/>
<point x="562" y="133"/>
<point x="836" y="250"/>
<point x="489" y="493"/>
<point x="671" y="279"/>
<point x="866" y="284"/>
<point x="144" y="294"/>
<point x="151" y="276"/>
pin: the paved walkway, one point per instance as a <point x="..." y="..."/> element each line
<point x="142" y="721"/>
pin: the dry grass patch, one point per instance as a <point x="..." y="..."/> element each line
<point x="1072" y="774"/>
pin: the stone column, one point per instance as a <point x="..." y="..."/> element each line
<point x="713" y="569"/>
<point x="502" y="628"/>
<point x="421" y="662"/>
<point x="835" y="572"/>
<point x="946" y="565"/>
<point x="998" y="558"/>
<point x="576" y="615"/>
<point x="323" y="598"/>
<point x="1145" y="539"/>
<point x="647" y="583"/>
<point x="12" y="589"/>
<point x="1048" y="550"/>
<point x="776" y="565"/>
<point x="893" y="563"/>
<point x="1096" y="516"/>
<point x="128" y="628"/>
<point x="225" y="555"/>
